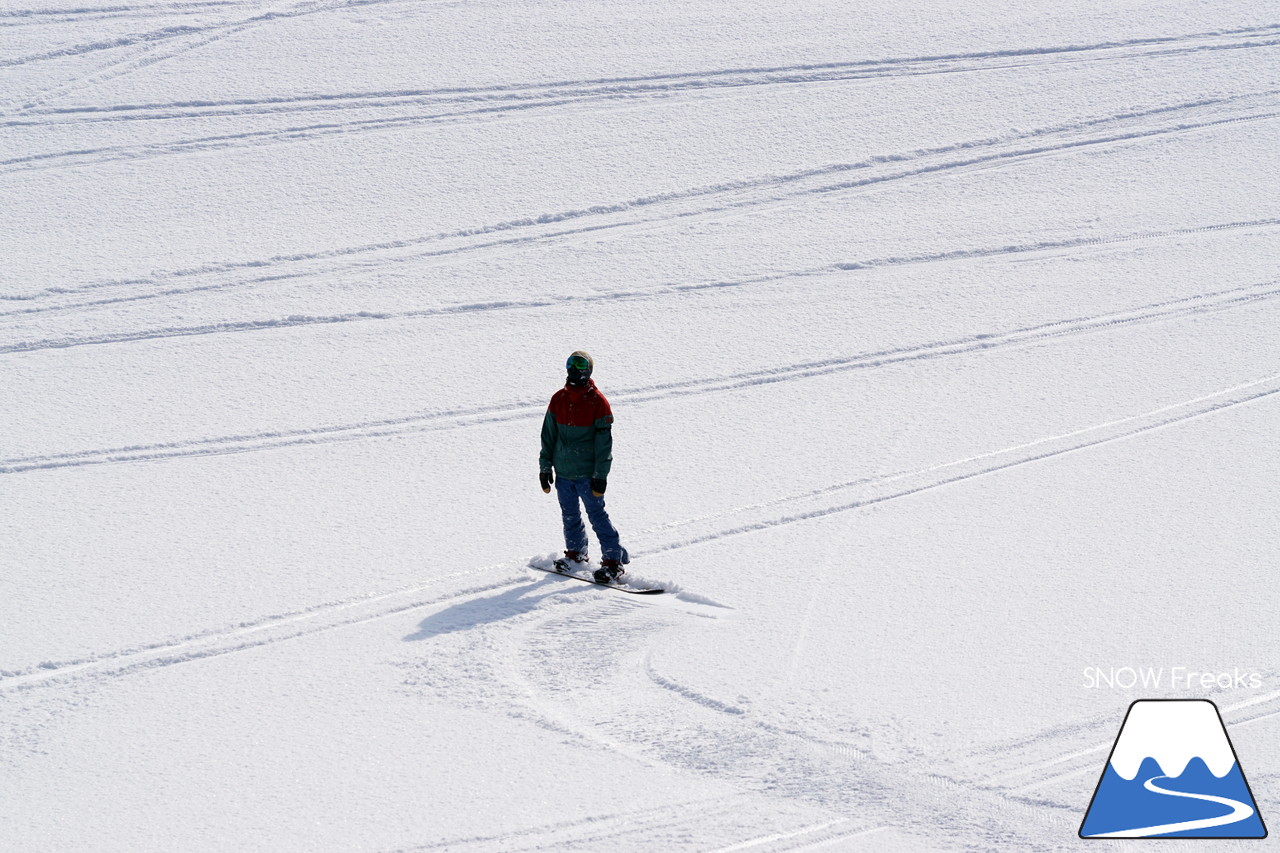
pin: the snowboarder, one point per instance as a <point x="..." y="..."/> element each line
<point x="577" y="442"/>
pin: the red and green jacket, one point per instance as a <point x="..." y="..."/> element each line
<point x="577" y="434"/>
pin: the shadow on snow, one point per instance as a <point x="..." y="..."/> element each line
<point x="480" y="611"/>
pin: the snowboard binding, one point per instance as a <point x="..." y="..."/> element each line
<point x="609" y="572"/>
<point x="572" y="560"/>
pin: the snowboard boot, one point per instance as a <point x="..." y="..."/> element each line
<point x="571" y="560"/>
<point x="609" y="571"/>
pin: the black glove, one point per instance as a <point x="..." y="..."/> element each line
<point x="545" y="480"/>
<point x="597" y="487"/>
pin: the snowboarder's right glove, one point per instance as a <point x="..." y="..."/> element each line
<point x="597" y="487"/>
<point x="545" y="479"/>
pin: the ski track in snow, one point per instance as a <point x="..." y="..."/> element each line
<point x="145" y="11"/>
<point x="292" y="10"/>
<point x="552" y="301"/>
<point x="138" y="51"/>
<point x="598" y="832"/>
<point x="665" y="538"/>
<point x="680" y="206"/>
<point x="827" y="500"/>
<point x="667" y="209"/>
<point x="985" y="803"/>
<point x="685" y="729"/>
<point x="276" y="628"/>
<point x="559" y="693"/>
<point x="460" y="418"/>
<point x="248" y="635"/>
<point x="534" y="669"/>
<point x="812" y="837"/>
<point x="1011" y="803"/>
<point x="531" y="95"/>
<point x="148" y="48"/>
<point x="135" y="59"/>
<point x="93" y="14"/>
<point x="1008" y="251"/>
<point x="230" y="141"/>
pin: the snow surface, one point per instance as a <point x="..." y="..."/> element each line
<point x="942" y="342"/>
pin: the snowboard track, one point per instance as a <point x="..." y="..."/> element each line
<point x="973" y="813"/>
<point x="309" y="7"/>
<point x="1007" y="251"/>
<point x="79" y="157"/>
<point x="674" y="731"/>
<point x="541" y="682"/>
<point x="248" y="635"/>
<point x="596" y="830"/>
<point x="157" y="45"/>
<point x="86" y="14"/>
<point x="750" y="196"/>
<point x="826" y="501"/>
<point x="532" y="95"/>
<point x="1198" y="305"/>
<point x="805" y="838"/>
<point x="530" y="669"/>
<point x="330" y="616"/>
<point x="956" y="815"/>
<point x="151" y="53"/>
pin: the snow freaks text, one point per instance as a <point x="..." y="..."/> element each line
<point x="1174" y="678"/>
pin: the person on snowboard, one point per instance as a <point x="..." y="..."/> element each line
<point x="577" y="441"/>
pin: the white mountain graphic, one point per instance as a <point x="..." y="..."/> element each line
<point x="1173" y="733"/>
<point x="1172" y="774"/>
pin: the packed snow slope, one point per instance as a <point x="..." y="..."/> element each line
<point x="941" y="339"/>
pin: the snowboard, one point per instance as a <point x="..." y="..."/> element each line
<point x="553" y="567"/>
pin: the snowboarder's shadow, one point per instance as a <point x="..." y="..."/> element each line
<point x="480" y="611"/>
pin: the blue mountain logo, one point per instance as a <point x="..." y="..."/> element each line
<point x="1173" y="773"/>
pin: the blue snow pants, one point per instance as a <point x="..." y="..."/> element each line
<point x="570" y="491"/>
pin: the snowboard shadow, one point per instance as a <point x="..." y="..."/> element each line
<point x="481" y="611"/>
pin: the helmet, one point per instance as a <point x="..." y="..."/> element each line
<point x="579" y="366"/>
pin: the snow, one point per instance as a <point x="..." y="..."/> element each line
<point x="941" y="342"/>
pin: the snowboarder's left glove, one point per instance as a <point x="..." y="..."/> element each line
<point x="597" y="487"/>
<point x="545" y="480"/>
